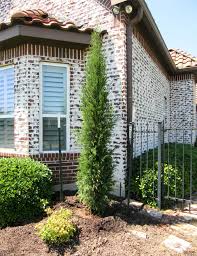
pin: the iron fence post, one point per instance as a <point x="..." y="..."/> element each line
<point x="60" y="159"/>
<point x="131" y="133"/>
<point x="159" y="189"/>
<point x="162" y="164"/>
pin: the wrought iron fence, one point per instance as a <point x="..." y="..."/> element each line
<point x="170" y="155"/>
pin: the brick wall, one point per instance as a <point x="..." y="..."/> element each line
<point x="157" y="98"/>
<point x="183" y="106"/>
<point x="21" y="134"/>
<point x="151" y="96"/>
<point x="115" y="49"/>
<point x="69" y="166"/>
<point x="27" y="105"/>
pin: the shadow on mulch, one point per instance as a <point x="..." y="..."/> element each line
<point x="70" y="246"/>
<point x="131" y="215"/>
<point x="136" y="216"/>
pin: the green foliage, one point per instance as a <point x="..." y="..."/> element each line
<point x="144" y="189"/>
<point x="58" y="229"/>
<point x="95" y="173"/>
<point x="149" y="181"/>
<point x="25" y="189"/>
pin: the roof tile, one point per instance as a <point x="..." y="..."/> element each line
<point x="183" y="59"/>
<point x="41" y="18"/>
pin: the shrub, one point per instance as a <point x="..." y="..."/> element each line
<point x="58" y="229"/>
<point x="148" y="175"/>
<point x="94" y="178"/>
<point x="25" y="189"/>
<point x="149" y="183"/>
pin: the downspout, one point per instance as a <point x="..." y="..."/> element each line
<point x="130" y="126"/>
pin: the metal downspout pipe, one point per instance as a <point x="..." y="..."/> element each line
<point x="130" y="125"/>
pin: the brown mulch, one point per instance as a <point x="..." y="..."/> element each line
<point x="107" y="236"/>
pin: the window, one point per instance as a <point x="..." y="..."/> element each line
<point x="54" y="106"/>
<point x="6" y="107"/>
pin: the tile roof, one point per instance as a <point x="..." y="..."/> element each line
<point x="41" y="18"/>
<point x="183" y="59"/>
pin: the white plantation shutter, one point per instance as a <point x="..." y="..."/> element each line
<point x="6" y="107"/>
<point x="10" y="90"/>
<point x="50" y="134"/>
<point x="6" y="132"/>
<point x="1" y="92"/>
<point x="54" y="89"/>
<point x="54" y="102"/>
<point x="6" y="90"/>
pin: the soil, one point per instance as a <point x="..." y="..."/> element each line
<point x="107" y="236"/>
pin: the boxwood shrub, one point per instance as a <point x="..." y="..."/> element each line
<point x="25" y="189"/>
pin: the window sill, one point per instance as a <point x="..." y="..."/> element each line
<point x="8" y="150"/>
<point x="57" y="152"/>
<point x="11" y="152"/>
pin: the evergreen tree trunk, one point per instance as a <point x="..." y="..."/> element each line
<point x="95" y="175"/>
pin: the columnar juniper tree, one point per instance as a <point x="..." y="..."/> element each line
<point x="95" y="175"/>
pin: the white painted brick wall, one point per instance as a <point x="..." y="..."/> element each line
<point x="76" y="81"/>
<point x="183" y="108"/>
<point x="90" y="14"/>
<point x="150" y="88"/>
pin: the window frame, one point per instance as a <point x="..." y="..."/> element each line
<point x="8" y="116"/>
<point x="66" y="116"/>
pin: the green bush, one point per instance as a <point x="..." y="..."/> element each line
<point x="149" y="181"/>
<point x="94" y="178"/>
<point x="58" y="229"/>
<point x="25" y="189"/>
<point x="144" y="189"/>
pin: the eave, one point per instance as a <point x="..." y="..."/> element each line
<point x="189" y="70"/>
<point x="31" y="34"/>
<point x="159" y="44"/>
<point x="156" y="39"/>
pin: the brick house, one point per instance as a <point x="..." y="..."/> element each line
<point x="43" y="47"/>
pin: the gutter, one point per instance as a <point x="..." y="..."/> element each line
<point x="130" y="124"/>
<point x="187" y="70"/>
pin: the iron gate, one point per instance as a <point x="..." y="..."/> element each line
<point x="170" y="155"/>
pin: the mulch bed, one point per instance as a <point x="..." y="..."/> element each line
<point x="107" y="236"/>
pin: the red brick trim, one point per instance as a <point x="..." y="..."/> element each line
<point x="69" y="164"/>
<point x="182" y="77"/>
<point x="42" y="51"/>
<point x="105" y="3"/>
<point x="12" y="155"/>
<point x="54" y="156"/>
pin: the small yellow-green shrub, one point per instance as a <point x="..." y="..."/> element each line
<point x="58" y="229"/>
